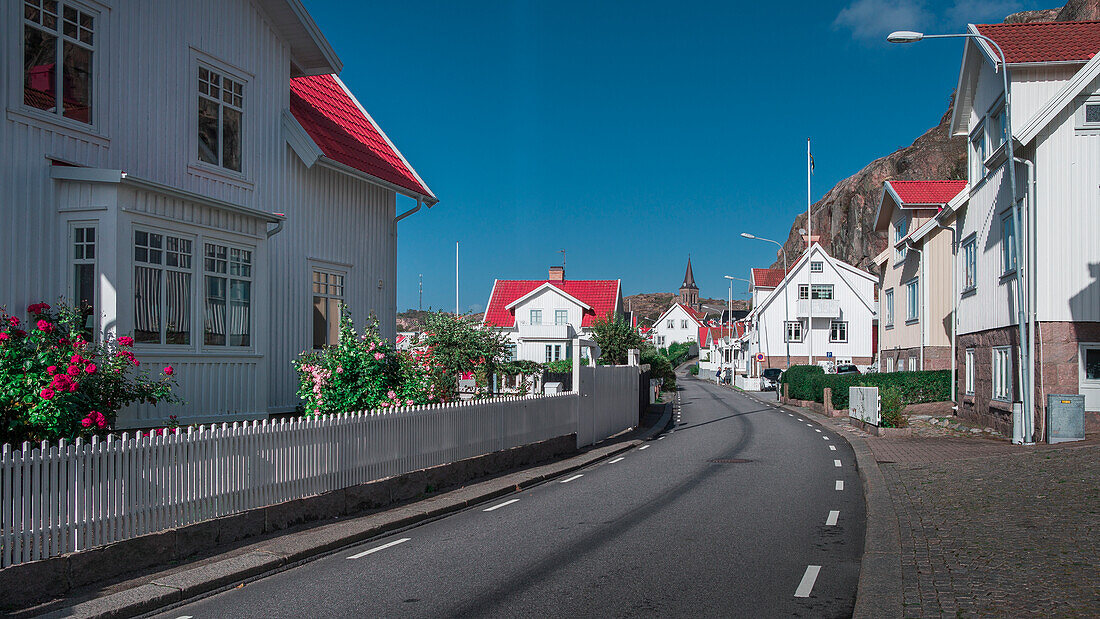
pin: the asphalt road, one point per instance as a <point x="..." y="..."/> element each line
<point x="661" y="530"/>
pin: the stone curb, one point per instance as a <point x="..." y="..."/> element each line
<point x="291" y="550"/>
<point x="878" y="594"/>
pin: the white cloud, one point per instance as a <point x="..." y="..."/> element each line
<point x="979" y="11"/>
<point x="874" y="19"/>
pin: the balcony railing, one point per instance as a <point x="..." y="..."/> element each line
<point x="821" y="308"/>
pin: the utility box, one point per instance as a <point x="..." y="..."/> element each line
<point x="552" y="388"/>
<point x="1065" y="418"/>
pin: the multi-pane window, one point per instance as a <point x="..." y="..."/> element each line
<point x="912" y="298"/>
<point x="888" y="307"/>
<point x="997" y="129"/>
<point x="683" y="324"/>
<point x="818" y="291"/>
<point x="913" y="364"/>
<point x="228" y="304"/>
<point x="901" y="228"/>
<point x="660" y="340"/>
<point x="1002" y="373"/>
<point x="536" y="317"/>
<point x="979" y="150"/>
<point x="221" y="106"/>
<point x="901" y="364"/>
<point x="970" y="264"/>
<point x="83" y="274"/>
<point x="889" y="364"/>
<point x="328" y="300"/>
<point x="162" y="288"/>
<point x="672" y="324"/>
<point x="969" y="381"/>
<point x="561" y="317"/>
<point x="816" y="267"/>
<point x="553" y="352"/>
<point x="1090" y="363"/>
<point x="838" y="331"/>
<point x="58" y="42"/>
<point x="793" y="331"/>
<point x="1008" y="244"/>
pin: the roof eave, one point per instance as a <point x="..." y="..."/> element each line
<point x="310" y="51"/>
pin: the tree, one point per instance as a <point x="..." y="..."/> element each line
<point x="615" y="336"/>
<point x="459" y="345"/>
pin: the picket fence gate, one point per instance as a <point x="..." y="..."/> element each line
<point x="73" y="496"/>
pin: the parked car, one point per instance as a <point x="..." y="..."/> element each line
<point x="847" y="368"/>
<point x="769" y="379"/>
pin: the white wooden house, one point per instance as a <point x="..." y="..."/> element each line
<point x="196" y="176"/>
<point x="542" y="317"/>
<point x="822" y="310"/>
<point x="678" y="324"/>
<point x="1054" y="72"/>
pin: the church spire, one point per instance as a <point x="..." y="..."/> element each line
<point x="689" y="292"/>
<point x="689" y="277"/>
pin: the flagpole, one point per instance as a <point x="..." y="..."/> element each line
<point x="809" y="203"/>
<point x="809" y="235"/>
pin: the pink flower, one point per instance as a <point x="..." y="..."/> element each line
<point x="168" y="370"/>
<point x="51" y="370"/>
<point x="37" y="308"/>
<point x="75" y="358"/>
<point x="379" y="356"/>
<point x="73" y="370"/>
<point x="47" y="394"/>
<point x="4" y="336"/>
<point x="13" y="321"/>
<point x="86" y="422"/>
<point x="391" y="395"/>
<point x="45" y="326"/>
<point x="126" y="340"/>
<point x="90" y="368"/>
<point x="102" y="423"/>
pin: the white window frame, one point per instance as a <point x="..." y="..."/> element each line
<point x="229" y="277"/>
<point x="888" y="310"/>
<point x="912" y="300"/>
<point x="792" y="328"/>
<point x="165" y="268"/>
<point x="98" y="29"/>
<point x="1081" y="121"/>
<point x="821" y="292"/>
<point x="968" y="385"/>
<point x="561" y="317"/>
<point x="660" y="340"/>
<point x="223" y="76"/>
<point x="889" y="364"/>
<point x="901" y="230"/>
<point x="1008" y="245"/>
<point x="73" y="260"/>
<point x="1002" y="373"/>
<point x="326" y="293"/>
<point x="901" y="364"/>
<point x="978" y="152"/>
<point x="970" y="263"/>
<point x="817" y="266"/>
<point x="914" y="363"/>
<point x="671" y="324"/>
<point x="549" y="353"/>
<point x="195" y="165"/>
<point x="683" y="323"/>
<point x="535" y="317"/>
<point x="838" y="331"/>
<point x="1082" y="350"/>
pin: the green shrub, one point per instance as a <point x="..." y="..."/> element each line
<point x="561" y="366"/>
<point x="694" y="370"/>
<point x="913" y="387"/>
<point x="800" y="378"/>
<point x="891" y="402"/>
<point x="659" y="367"/>
<point x="676" y="353"/>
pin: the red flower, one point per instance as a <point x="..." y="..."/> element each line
<point x="90" y="368"/>
<point x="102" y="423"/>
<point x="168" y="371"/>
<point x="13" y="321"/>
<point x="61" y="381"/>
<point x="73" y="370"/>
<point x="126" y="340"/>
<point x="50" y="370"/>
<point x="45" y="326"/>
<point x="3" y="336"/>
<point x="86" y="422"/>
<point x="38" y="308"/>
<point x="75" y="358"/>
<point x="47" y="394"/>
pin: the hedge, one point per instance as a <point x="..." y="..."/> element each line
<point x="913" y="387"/>
<point x="800" y="377"/>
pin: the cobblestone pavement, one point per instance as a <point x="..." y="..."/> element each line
<point x="1014" y="534"/>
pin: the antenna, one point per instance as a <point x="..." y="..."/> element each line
<point x="421" y="304"/>
<point x="562" y="252"/>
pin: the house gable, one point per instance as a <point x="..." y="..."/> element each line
<point x="840" y="268"/>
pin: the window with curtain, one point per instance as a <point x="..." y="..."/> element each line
<point x="227" y="272"/>
<point x="162" y="288"/>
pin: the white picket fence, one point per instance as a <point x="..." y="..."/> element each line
<point x="67" y="497"/>
<point x="863" y="404"/>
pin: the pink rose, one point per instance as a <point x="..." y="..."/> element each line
<point x="126" y="340"/>
<point x="86" y="422"/>
<point x="4" y="336"/>
<point x="168" y="370"/>
<point x="102" y="423"/>
<point x="90" y="368"/>
<point x="51" y="370"/>
<point x="75" y="358"/>
<point x="47" y="394"/>
<point x="391" y="395"/>
<point x="37" y="308"/>
<point x="73" y="370"/>
<point x="13" y="321"/>
<point x="45" y="326"/>
<point x="379" y="356"/>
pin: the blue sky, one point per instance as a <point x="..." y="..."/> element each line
<point x="631" y="138"/>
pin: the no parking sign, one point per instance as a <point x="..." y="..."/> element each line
<point x="759" y="357"/>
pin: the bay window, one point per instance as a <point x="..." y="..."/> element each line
<point x="58" y="44"/>
<point x="228" y="304"/>
<point x="162" y="288"/>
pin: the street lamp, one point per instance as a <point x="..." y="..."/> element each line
<point x="786" y="315"/>
<point x="1026" y="394"/>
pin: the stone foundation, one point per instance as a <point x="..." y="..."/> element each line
<point x="935" y="357"/>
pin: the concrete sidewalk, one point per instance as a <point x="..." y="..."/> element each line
<point x="963" y="527"/>
<point x="245" y="563"/>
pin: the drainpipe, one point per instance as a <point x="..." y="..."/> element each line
<point x="419" y="203"/>
<point x="1029" y="278"/>
<point x="955" y="306"/>
<point x="922" y="283"/>
<point x="278" y="226"/>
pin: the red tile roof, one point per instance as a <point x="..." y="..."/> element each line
<point x="926" y="192"/>
<point x="346" y="133"/>
<point x="767" y="278"/>
<point x="715" y="332"/>
<point x="1045" y="42"/>
<point x="697" y="315"/>
<point x="600" y="294"/>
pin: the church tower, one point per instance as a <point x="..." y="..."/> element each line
<point x="689" y="292"/>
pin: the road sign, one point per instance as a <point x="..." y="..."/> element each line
<point x="759" y="357"/>
<point x="828" y="355"/>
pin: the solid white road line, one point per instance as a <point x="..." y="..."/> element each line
<point x="643" y="447"/>
<point x="808" y="580"/>
<point x="499" y="505"/>
<point x="577" y="476"/>
<point x="840" y="484"/>
<point x="836" y="463"/>
<point x="382" y="547"/>
<point x="619" y="459"/>
<point x="831" y="447"/>
<point x="831" y="520"/>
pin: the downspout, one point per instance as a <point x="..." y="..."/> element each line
<point x="954" y="308"/>
<point x="419" y="203"/>
<point x="1029" y="278"/>
<point x="278" y="227"/>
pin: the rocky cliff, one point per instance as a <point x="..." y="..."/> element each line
<point x="844" y="217"/>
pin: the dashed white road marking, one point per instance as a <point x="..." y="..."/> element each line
<point x="643" y="447"/>
<point x="577" y="476"/>
<point x="817" y="429"/>
<point x="377" y="548"/>
<point x="809" y="425"/>
<point x="825" y="437"/>
<point x="499" y="505"/>
<point x="836" y="463"/>
<point x="840" y="484"/>
<point x="184" y="617"/>
<point x="808" y="580"/>
<point x="831" y="447"/>
<point x="831" y="520"/>
<point x="790" y="415"/>
<point x="619" y="459"/>
<point x="660" y="438"/>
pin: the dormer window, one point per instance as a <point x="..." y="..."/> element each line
<point x="816" y="267"/>
<point x="58" y="42"/>
<point x="221" y="107"/>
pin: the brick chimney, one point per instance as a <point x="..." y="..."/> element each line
<point x="557" y="274"/>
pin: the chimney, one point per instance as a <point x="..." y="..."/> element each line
<point x="557" y="274"/>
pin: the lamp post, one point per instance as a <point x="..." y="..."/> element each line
<point x="786" y="315"/>
<point x="1026" y="393"/>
